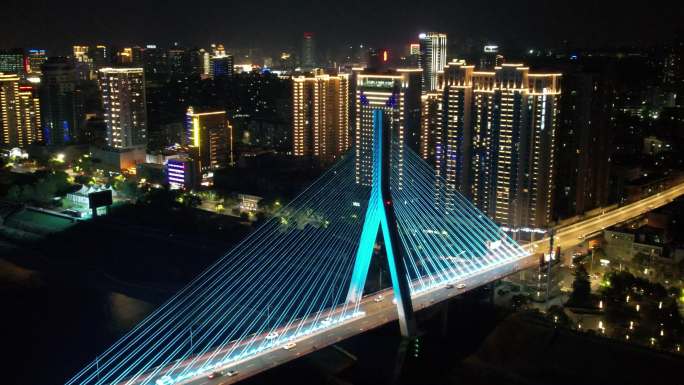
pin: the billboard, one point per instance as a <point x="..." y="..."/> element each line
<point x="100" y="198"/>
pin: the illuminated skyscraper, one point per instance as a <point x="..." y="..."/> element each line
<point x="388" y="92"/>
<point x="12" y="62"/>
<point x="81" y="53"/>
<point x="60" y="101"/>
<point x="494" y="139"/>
<point x="36" y="58"/>
<point x="221" y="66"/>
<point x="19" y="113"/>
<point x="490" y="58"/>
<point x="308" y="52"/>
<point x="212" y="136"/>
<point x="321" y="116"/>
<point x="125" y="110"/>
<point x="433" y="57"/>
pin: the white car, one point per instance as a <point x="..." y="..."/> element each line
<point x="461" y="286"/>
<point x="449" y="286"/>
<point x="289" y="346"/>
<point x="231" y="373"/>
<point x="379" y="298"/>
<point x="272" y="335"/>
<point x="326" y="321"/>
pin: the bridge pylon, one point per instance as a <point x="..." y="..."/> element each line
<point x="380" y="216"/>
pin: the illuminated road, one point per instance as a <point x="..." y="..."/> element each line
<point x="378" y="313"/>
<point x="572" y="235"/>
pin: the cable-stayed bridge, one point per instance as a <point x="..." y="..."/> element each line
<point x="297" y="283"/>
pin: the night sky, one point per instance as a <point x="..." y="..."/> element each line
<point x="271" y="24"/>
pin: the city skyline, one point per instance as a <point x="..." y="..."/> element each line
<point x="290" y="179"/>
<point x="278" y="26"/>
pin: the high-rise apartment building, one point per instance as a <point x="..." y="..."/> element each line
<point x="125" y="110"/>
<point x="585" y="140"/>
<point x="308" y="52"/>
<point x="493" y="139"/>
<point x="61" y="103"/>
<point x="433" y="58"/>
<point x="389" y="92"/>
<point x="321" y="116"/>
<point x="210" y="133"/>
<point x="19" y="113"/>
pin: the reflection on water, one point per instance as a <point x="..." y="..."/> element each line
<point x="59" y="321"/>
<point x="16" y="275"/>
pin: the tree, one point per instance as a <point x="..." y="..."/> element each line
<point x="581" y="288"/>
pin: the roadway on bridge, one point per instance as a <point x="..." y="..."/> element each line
<point x="571" y="235"/>
<point x="377" y="313"/>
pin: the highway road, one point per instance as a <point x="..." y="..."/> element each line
<point x="378" y="313"/>
<point x="572" y="235"/>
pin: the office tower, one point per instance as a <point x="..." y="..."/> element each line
<point x="494" y="140"/>
<point x="125" y="110"/>
<point x="321" y="116"/>
<point x="388" y="92"/>
<point x="175" y="58"/>
<point x="413" y="56"/>
<point x="212" y="136"/>
<point x="433" y="58"/>
<point x="221" y="66"/>
<point x="83" y="62"/>
<point x="19" y="113"/>
<point x="81" y="53"/>
<point x="60" y="102"/>
<point x="154" y="61"/>
<point x="308" y="52"/>
<point x="490" y="58"/>
<point x="12" y="62"/>
<point x="36" y="58"/>
<point x="218" y="50"/>
<point x="125" y="56"/>
<point x="584" y="140"/>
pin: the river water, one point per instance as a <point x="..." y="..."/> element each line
<point x="53" y="324"/>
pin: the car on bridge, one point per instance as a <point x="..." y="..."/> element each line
<point x="272" y="335"/>
<point x="215" y="375"/>
<point x="289" y="346"/>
